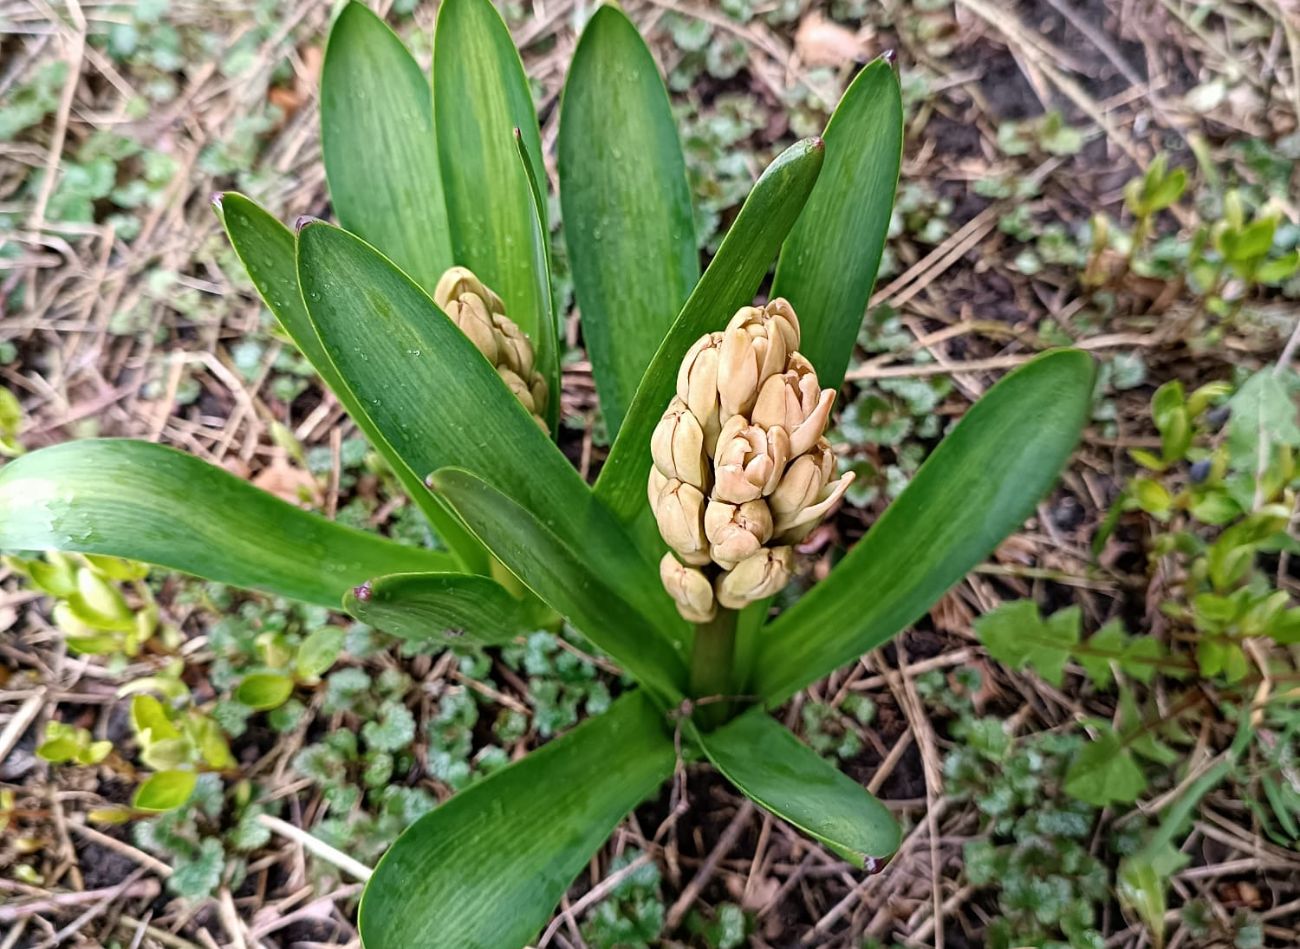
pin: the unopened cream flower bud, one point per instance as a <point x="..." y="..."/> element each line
<point x="677" y="446"/>
<point x="515" y="351"/>
<point x="803" y="481"/>
<point x="457" y="282"/>
<point x="806" y="493"/>
<point x="480" y="315"/>
<point x="736" y="531"/>
<point x="679" y="512"/>
<point x="749" y="460"/>
<point x="471" y="316"/>
<point x="756" y="577"/>
<point x="754" y="347"/>
<point x="792" y="400"/>
<point x="689" y="588"/>
<point x="697" y="386"/>
<point x="520" y="388"/>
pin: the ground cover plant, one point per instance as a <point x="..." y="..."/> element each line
<point x="1089" y="739"/>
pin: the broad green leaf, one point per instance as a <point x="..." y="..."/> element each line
<point x="1015" y="635"/>
<point x="268" y="251"/>
<point x="480" y="96"/>
<point x="565" y="580"/>
<point x="152" y="503"/>
<point x="447" y="607"/>
<point x="263" y="691"/>
<point x="1104" y="772"/>
<point x="627" y="206"/>
<point x="440" y="404"/>
<point x="977" y="487"/>
<point x="729" y="283"/>
<point x="486" y="869"/>
<point x="164" y="791"/>
<point x="829" y="262"/>
<point x="764" y="759"/>
<point x="377" y="140"/>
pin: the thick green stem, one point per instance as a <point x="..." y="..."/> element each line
<point x="711" y="667"/>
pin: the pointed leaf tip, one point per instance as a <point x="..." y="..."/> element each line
<point x="890" y="56"/>
<point x="215" y="201"/>
<point x="363" y="592"/>
<point x="302" y="220"/>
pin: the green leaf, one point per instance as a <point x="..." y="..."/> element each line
<point x="828" y="265"/>
<point x="541" y="252"/>
<point x="770" y="765"/>
<point x="627" y="206"/>
<point x="164" y="791"/>
<point x="1104" y="772"/>
<point x="269" y="253"/>
<point x="1016" y="635"/>
<point x="1109" y="643"/>
<point x="440" y="404"/>
<point x="264" y="691"/>
<point x="148" y="502"/>
<point x="487" y="868"/>
<point x="565" y="580"/>
<point x="320" y="650"/>
<point x="979" y="485"/>
<point x="150" y="720"/>
<point x="729" y="283"/>
<point x="480" y="96"/>
<point x="453" y="607"/>
<point x="377" y="140"/>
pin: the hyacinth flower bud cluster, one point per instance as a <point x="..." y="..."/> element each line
<point x="741" y="471"/>
<point x="480" y="314"/>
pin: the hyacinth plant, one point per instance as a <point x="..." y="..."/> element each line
<point x="428" y="312"/>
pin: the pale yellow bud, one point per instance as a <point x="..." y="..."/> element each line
<point x="677" y="446"/>
<point x="679" y="512"/>
<point x="756" y="577"/>
<point x="749" y="460"/>
<point x="802" y="483"/>
<point x="480" y="315"/>
<point x="795" y="524"/>
<point x="792" y="400"/>
<point x="520" y="388"/>
<point x="458" y="281"/>
<point x="754" y="347"/>
<point x="689" y="588"/>
<point x="658" y="481"/>
<point x="697" y="386"/>
<point x="471" y="316"/>
<point x="515" y="352"/>
<point x="736" y="531"/>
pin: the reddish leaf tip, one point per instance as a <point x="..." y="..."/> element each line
<point x="215" y="201"/>
<point x="303" y="220"/>
<point x="363" y="592"/>
<point x="890" y="56"/>
<point x="429" y="482"/>
<point x="817" y="143"/>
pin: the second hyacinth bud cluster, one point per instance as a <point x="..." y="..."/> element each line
<point x="481" y="316"/>
<point x="741" y="471"/>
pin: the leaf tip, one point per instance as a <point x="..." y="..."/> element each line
<point x="817" y="143"/>
<point x="215" y="200"/>
<point x="303" y="220"/>
<point x="363" y="592"/>
<point x="890" y="56"/>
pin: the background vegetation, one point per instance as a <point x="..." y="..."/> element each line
<point x="1091" y="742"/>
